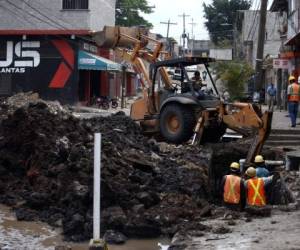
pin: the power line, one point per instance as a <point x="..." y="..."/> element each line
<point x="168" y="28"/>
<point x="193" y="24"/>
<point x="184" y="36"/>
<point x="44" y="15"/>
<point x="44" y="21"/>
<point x="15" y="14"/>
<point x="254" y="31"/>
<point x="253" y="21"/>
<point x="18" y="8"/>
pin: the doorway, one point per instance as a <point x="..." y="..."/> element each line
<point x="89" y="85"/>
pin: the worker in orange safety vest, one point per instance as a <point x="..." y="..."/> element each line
<point x="233" y="188"/>
<point x="293" y="94"/>
<point x="255" y="188"/>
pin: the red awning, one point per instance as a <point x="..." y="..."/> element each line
<point x="295" y="40"/>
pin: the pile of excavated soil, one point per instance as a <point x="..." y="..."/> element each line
<point x="46" y="173"/>
<point x="148" y="188"/>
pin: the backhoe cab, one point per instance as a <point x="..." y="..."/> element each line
<point x="174" y="109"/>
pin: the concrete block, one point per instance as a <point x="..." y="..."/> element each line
<point x="98" y="245"/>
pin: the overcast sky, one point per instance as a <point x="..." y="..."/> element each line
<point x="165" y="9"/>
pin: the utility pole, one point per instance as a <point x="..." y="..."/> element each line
<point x="193" y="37"/>
<point x="193" y="24"/>
<point x="168" y="33"/>
<point x="168" y="28"/>
<point x="184" y="36"/>
<point x="260" y="45"/>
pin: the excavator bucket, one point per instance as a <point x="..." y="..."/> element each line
<point x="125" y="37"/>
<point x="260" y="137"/>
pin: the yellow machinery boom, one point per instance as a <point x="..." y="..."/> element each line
<point x="130" y="44"/>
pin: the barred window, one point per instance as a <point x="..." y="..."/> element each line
<point x="75" y="4"/>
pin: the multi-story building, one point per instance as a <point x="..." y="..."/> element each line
<point x="246" y="41"/>
<point x="289" y="62"/>
<point x="48" y="47"/>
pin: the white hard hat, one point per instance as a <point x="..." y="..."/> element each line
<point x="259" y="159"/>
<point x="235" y="166"/>
<point x="251" y="172"/>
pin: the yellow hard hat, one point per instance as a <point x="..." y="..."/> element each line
<point x="235" y="166"/>
<point x="259" y="159"/>
<point x="291" y="78"/>
<point x="251" y="172"/>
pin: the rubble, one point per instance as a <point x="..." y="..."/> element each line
<point x="46" y="165"/>
<point x="148" y="188"/>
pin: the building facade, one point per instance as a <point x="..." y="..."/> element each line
<point x="84" y="15"/>
<point x="290" y="49"/>
<point x="48" y="47"/>
<point x="246" y="41"/>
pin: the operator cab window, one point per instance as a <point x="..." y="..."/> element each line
<point x="75" y="4"/>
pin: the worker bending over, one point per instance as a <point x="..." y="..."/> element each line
<point x="233" y="188"/>
<point x="256" y="188"/>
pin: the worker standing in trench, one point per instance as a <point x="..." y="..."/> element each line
<point x="256" y="192"/>
<point x="261" y="169"/>
<point x="233" y="188"/>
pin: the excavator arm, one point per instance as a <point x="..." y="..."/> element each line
<point x="247" y="119"/>
<point x="243" y="118"/>
<point x="121" y="39"/>
<point x="131" y="45"/>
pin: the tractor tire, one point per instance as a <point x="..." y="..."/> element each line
<point x="177" y="123"/>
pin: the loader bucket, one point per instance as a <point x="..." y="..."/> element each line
<point x="112" y="37"/>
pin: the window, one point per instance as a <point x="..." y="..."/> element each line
<point x="75" y="4"/>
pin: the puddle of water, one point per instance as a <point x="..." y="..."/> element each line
<point x="21" y="235"/>
<point x="146" y="244"/>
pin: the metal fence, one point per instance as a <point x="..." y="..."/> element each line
<point x="75" y="4"/>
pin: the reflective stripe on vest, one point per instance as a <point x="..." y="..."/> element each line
<point x="294" y="95"/>
<point x="232" y="189"/>
<point x="256" y="192"/>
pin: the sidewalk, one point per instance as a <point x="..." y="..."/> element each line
<point x="282" y="121"/>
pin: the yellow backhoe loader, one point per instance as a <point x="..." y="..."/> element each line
<point x="174" y="110"/>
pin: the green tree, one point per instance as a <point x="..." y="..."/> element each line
<point x="221" y="16"/>
<point x="128" y="13"/>
<point x="234" y="76"/>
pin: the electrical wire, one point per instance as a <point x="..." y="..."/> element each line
<point x="47" y="22"/>
<point x="39" y="5"/>
<point x="16" y="14"/>
<point x="275" y="23"/>
<point x="27" y="12"/>
<point x="44" y="15"/>
<point x="254" y="31"/>
<point x="253" y="21"/>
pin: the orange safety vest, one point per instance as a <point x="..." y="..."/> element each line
<point x="256" y="192"/>
<point x="294" y="93"/>
<point x="232" y="189"/>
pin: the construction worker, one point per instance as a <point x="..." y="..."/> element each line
<point x="197" y="81"/>
<point x="261" y="170"/>
<point x="293" y="94"/>
<point x="255" y="189"/>
<point x="233" y="188"/>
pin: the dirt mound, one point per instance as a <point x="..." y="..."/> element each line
<point x="46" y="166"/>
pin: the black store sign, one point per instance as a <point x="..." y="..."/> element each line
<point x="44" y="65"/>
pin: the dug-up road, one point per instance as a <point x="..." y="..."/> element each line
<point x="281" y="231"/>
